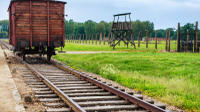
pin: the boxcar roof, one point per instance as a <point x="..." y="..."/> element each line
<point x="41" y="0"/>
<point x="63" y="1"/>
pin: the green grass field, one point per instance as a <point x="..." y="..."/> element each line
<point x="173" y="78"/>
<point x="7" y="40"/>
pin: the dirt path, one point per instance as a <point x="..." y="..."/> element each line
<point x="10" y="100"/>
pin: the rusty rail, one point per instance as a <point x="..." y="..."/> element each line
<point x="73" y="105"/>
<point x="4" y="44"/>
<point x="130" y="98"/>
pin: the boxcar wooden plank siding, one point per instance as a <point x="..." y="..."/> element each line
<point x="37" y="28"/>
<point x="39" y="3"/>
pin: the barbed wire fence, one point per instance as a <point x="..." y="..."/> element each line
<point x="177" y="42"/>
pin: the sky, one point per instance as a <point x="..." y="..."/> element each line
<point x="163" y="13"/>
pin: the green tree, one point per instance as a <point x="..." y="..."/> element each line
<point x="69" y="27"/>
<point x="89" y="27"/>
<point x="161" y="33"/>
<point x="3" y="34"/>
<point x="101" y="27"/>
<point x="187" y="28"/>
<point x="142" y="27"/>
<point x="79" y="28"/>
<point x="4" y="25"/>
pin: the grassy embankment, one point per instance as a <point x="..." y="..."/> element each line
<point x="173" y="78"/>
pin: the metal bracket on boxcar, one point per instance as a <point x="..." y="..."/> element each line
<point x="61" y="17"/>
<point x="14" y="14"/>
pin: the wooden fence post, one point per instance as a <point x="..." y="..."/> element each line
<point x="139" y="39"/>
<point x="96" y="38"/>
<point x="75" y="36"/>
<point x="92" y="39"/>
<point x="86" y="38"/>
<point x="187" y="41"/>
<point x="132" y="38"/>
<point x="104" y="36"/>
<point x="178" y="39"/>
<point x="147" y="39"/>
<point x="80" y="38"/>
<point x="169" y="41"/>
<point x="70" y="38"/>
<point x="108" y="39"/>
<point x="156" y="40"/>
<point x="166" y="47"/>
<point x="196" y="48"/>
<point x="66" y="38"/>
<point x="100" y="38"/>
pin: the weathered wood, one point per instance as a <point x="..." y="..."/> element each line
<point x="100" y="38"/>
<point x="86" y="38"/>
<point x="89" y="38"/>
<point x="156" y="40"/>
<point x="169" y="47"/>
<point x="166" y="40"/>
<point x="96" y="38"/>
<point x="70" y="38"/>
<point x="80" y="38"/>
<point x="39" y="20"/>
<point x="139" y="39"/>
<point x="147" y="39"/>
<point x="104" y="36"/>
<point x="122" y="26"/>
<point x="38" y="3"/>
<point x="178" y="39"/>
<point x="92" y="39"/>
<point x="196" y="48"/>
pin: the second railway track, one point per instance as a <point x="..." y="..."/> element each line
<point x="63" y="89"/>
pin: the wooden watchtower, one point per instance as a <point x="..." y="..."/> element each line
<point x="122" y="31"/>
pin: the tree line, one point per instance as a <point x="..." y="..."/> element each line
<point x="4" y="28"/>
<point x="92" y="27"/>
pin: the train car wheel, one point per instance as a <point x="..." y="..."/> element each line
<point x="24" y="57"/>
<point x="49" y="58"/>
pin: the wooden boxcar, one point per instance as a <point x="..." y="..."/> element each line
<point x="36" y="26"/>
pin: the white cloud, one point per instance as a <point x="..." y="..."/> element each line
<point x="163" y="4"/>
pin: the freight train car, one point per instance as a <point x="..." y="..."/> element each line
<point x="36" y="26"/>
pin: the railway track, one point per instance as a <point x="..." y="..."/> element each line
<point x="62" y="89"/>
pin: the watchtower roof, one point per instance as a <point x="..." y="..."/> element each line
<point x="122" y="14"/>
